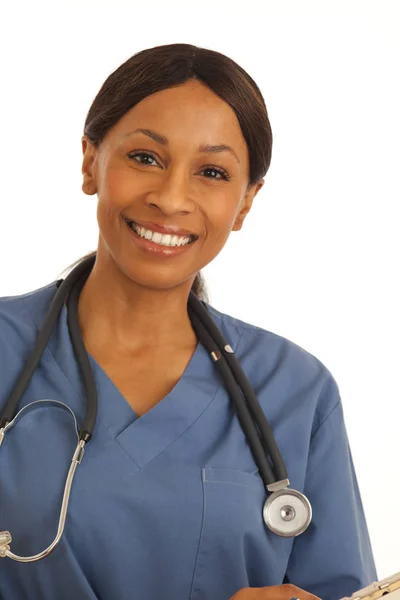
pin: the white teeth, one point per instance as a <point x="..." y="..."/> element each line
<point x="156" y="237"/>
<point x="159" y="238"/>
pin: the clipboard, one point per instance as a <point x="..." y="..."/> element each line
<point x="389" y="587"/>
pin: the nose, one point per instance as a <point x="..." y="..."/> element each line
<point x="172" y="194"/>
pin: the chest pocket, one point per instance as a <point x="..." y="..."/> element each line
<point x="233" y="534"/>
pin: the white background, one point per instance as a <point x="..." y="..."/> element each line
<point x="317" y="258"/>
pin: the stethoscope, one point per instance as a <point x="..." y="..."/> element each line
<point x="286" y="512"/>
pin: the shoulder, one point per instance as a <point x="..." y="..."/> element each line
<point x="21" y="315"/>
<point x="21" y="318"/>
<point x="247" y="338"/>
<point x="278" y="365"/>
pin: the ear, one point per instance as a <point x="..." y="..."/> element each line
<point x="89" y="185"/>
<point x="247" y="203"/>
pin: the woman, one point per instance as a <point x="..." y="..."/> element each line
<point x="168" y="500"/>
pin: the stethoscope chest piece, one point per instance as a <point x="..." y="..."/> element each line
<point x="287" y="512"/>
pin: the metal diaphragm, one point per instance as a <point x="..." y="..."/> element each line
<point x="287" y="512"/>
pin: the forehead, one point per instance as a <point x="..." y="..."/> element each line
<point x="187" y="113"/>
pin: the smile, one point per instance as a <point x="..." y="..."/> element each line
<point x="162" y="239"/>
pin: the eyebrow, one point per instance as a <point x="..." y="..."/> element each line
<point x="161" y="139"/>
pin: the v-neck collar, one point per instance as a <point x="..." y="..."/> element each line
<point x="142" y="438"/>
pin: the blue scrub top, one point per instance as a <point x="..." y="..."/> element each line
<point x="169" y="505"/>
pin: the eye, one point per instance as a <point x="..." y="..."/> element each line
<point x="224" y="175"/>
<point x="221" y="172"/>
<point x="146" y="154"/>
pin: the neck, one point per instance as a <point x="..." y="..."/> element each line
<point x="116" y="313"/>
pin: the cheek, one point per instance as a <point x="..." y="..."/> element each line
<point x="114" y="194"/>
<point x="223" y="219"/>
<point x="116" y="185"/>
<point x="103" y="216"/>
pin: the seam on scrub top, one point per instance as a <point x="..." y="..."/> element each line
<point x="201" y="533"/>
<point x="237" y="322"/>
<point x="230" y="482"/>
<point x="114" y="439"/>
<point x="330" y="380"/>
<point x="338" y="403"/>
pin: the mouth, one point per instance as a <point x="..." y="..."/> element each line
<point x="164" y="239"/>
<point x="159" y="245"/>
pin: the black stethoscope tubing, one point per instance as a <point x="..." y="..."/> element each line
<point x="44" y="335"/>
<point x="250" y="414"/>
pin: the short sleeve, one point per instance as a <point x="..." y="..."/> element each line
<point x="333" y="558"/>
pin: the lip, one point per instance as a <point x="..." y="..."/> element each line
<point x="157" y="250"/>
<point x="168" y="229"/>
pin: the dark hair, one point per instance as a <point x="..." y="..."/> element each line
<point x="155" y="69"/>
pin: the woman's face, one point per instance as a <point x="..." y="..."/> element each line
<point x="139" y="178"/>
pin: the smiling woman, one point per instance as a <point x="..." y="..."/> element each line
<point x="181" y="496"/>
<point x="208" y="73"/>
